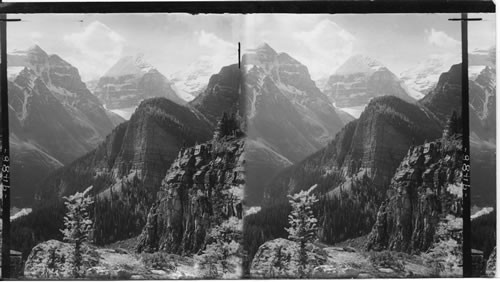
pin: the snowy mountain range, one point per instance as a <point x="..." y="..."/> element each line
<point x="193" y="79"/>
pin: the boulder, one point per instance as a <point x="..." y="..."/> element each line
<point x="54" y="260"/>
<point x="279" y="258"/>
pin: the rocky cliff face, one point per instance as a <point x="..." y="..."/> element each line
<point x="288" y="118"/>
<point x="54" y="118"/>
<point x="222" y="95"/>
<point x="482" y="99"/>
<point x="360" y="79"/>
<point x="446" y="97"/>
<point x="425" y="190"/>
<point x="491" y="264"/>
<point x="203" y="187"/>
<point x="373" y="145"/>
<point x="132" y="80"/>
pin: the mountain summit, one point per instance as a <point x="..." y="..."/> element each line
<point x="288" y="117"/>
<point x="130" y="81"/>
<point x="361" y="78"/>
<point x="129" y="65"/>
<point x="54" y="118"/>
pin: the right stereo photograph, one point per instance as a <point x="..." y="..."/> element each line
<point x="355" y="151"/>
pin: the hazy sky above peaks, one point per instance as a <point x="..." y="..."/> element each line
<point x="173" y="42"/>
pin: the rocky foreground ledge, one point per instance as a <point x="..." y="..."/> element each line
<point x="52" y="260"/>
<point x="278" y="259"/>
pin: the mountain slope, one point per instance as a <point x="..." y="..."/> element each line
<point x="54" y="118"/>
<point x="288" y="117"/>
<point x="372" y="145"/>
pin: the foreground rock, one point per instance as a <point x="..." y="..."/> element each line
<point x="491" y="264"/>
<point x="52" y="260"/>
<point x="279" y="258"/>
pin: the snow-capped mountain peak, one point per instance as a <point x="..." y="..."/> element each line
<point x="129" y="65"/>
<point x="359" y="64"/>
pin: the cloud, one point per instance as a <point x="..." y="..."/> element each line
<point x="217" y="51"/>
<point x="441" y="39"/>
<point x="96" y="49"/>
<point x="315" y="40"/>
<point x="328" y="45"/>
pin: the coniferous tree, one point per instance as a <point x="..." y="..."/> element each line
<point x="303" y="224"/>
<point x="221" y="258"/>
<point x="78" y="224"/>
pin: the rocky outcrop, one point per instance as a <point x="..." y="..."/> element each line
<point x="203" y="187"/>
<point x="54" y="260"/>
<point x="446" y="97"/>
<point x="222" y="95"/>
<point x="425" y="189"/>
<point x="491" y="264"/>
<point x="279" y="258"/>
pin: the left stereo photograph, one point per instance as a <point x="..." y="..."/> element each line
<point x="127" y="143"/>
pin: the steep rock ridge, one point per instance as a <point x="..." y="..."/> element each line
<point x="446" y="97"/>
<point x="203" y="187"/>
<point x="360" y="79"/>
<point x="425" y="191"/>
<point x="132" y="80"/>
<point x="483" y="103"/>
<point x="288" y="117"/>
<point x="126" y="171"/>
<point x="222" y="95"/>
<point x="373" y="145"/>
<point x="54" y="118"/>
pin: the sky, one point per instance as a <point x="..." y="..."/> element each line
<point x="172" y="42"/>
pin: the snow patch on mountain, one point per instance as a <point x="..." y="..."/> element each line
<point x="125" y="113"/>
<point x="354" y="111"/>
<point x="21" y="213"/>
<point x="483" y="211"/>
<point x="474" y="71"/>
<point x="193" y="79"/>
<point x="424" y="76"/>
<point x="13" y="72"/>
